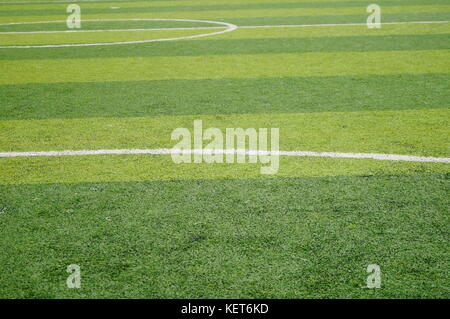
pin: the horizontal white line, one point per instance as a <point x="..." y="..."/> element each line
<point x="111" y="30"/>
<point x="229" y="28"/>
<point x="111" y="20"/>
<point x="333" y="24"/>
<point x="166" y="151"/>
<point x="194" y="28"/>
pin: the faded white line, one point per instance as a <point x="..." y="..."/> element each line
<point x="196" y="28"/>
<point x="166" y="151"/>
<point x="229" y="28"/>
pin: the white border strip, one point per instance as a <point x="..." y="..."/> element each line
<point x="240" y="27"/>
<point x="196" y="28"/>
<point x="166" y="151"/>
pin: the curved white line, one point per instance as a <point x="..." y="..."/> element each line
<point x="110" y="30"/>
<point x="229" y="27"/>
<point x="167" y="151"/>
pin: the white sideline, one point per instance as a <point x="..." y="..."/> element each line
<point x="195" y="28"/>
<point x="166" y="151"/>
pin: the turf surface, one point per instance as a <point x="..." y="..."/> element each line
<point x="142" y="226"/>
<point x="228" y="239"/>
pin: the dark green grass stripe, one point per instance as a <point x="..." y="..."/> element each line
<point x="219" y="7"/>
<point x="350" y="18"/>
<point x="262" y="238"/>
<point x="224" y="96"/>
<point x="356" y="18"/>
<point x="104" y="25"/>
<point x="246" y="46"/>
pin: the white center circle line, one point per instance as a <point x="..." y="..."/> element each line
<point x="228" y="28"/>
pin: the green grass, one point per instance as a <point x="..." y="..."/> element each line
<point x="237" y="46"/>
<point x="224" y="66"/>
<point x="135" y="168"/>
<point x="223" y="96"/>
<point x="226" y="14"/>
<point x="74" y="38"/>
<point x="141" y="226"/>
<point x="415" y="132"/>
<point x="228" y="239"/>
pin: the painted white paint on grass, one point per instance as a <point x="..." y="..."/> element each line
<point x="198" y="28"/>
<point x="166" y="151"/>
<point x="228" y="28"/>
<point x="241" y="27"/>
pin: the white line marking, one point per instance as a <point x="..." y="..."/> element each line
<point x="198" y="28"/>
<point x="191" y="28"/>
<point x="229" y="28"/>
<point x="166" y="151"/>
<point x="110" y="30"/>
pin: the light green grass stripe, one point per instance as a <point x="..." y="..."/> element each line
<point x="224" y="14"/>
<point x="117" y="168"/>
<point x="408" y="132"/>
<point x="260" y="33"/>
<point x="59" y="8"/>
<point x="95" y="37"/>
<point x="144" y="4"/>
<point x="224" y="66"/>
<point x="336" y="31"/>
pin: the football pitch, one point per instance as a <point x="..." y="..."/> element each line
<point x="87" y="177"/>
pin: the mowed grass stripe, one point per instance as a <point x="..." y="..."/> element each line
<point x="254" y="238"/>
<point x="268" y="40"/>
<point x="224" y="96"/>
<point x="336" y="31"/>
<point x="224" y="66"/>
<point x="263" y="40"/>
<point x="337" y="19"/>
<point x="18" y="4"/>
<point x="204" y="5"/>
<point x="118" y="168"/>
<point x="101" y="24"/>
<point x="232" y="14"/>
<point x="407" y="132"/>
<point x="161" y="3"/>
<point x="247" y="33"/>
<point x="58" y="9"/>
<point x="226" y="14"/>
<point x="231" y="46"/>
<point x="95" y="37"/>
